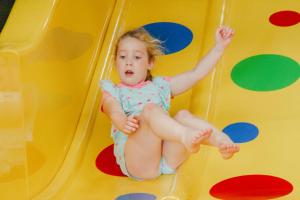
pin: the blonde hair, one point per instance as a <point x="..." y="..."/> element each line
<point x="153" y="45"/>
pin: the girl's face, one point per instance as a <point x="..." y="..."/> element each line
<point x="132" y="61"/>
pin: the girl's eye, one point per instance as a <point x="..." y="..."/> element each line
<point x="137" y="57"/>
<point x="122" y="57"/>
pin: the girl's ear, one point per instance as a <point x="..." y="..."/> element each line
<point x="151" y="63"/>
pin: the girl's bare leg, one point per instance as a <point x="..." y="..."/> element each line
<point x="169" y="129"/>
<point x="143" y="148"/>
<point x="218" y="139"/>
<point x="174" y="152"/>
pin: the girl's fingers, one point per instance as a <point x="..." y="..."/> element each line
<point x="219" y="31"/>
<point x="225" y="31"/>
<point x="133" y="118"/>
<point x="129" y="129"/>
<point x="132" y="124"/>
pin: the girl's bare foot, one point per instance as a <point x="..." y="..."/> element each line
<point x="227" y="150"/>
<point x="192" y="138"/>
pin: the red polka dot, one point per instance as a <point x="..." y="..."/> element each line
<point x="106" y="162"/>
<point x="285" y="18"/>
<point x="251" y="187"/>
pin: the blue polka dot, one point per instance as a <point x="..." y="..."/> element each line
<point x="175" y="37"/>
<point x="136" y="196"/>
<point x="241" y="132"/>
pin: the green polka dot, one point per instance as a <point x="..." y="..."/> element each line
<point x="265" y="72"/>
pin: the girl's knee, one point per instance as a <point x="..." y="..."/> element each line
<point x="182" y="114"/>
<point x="148" y="108"/>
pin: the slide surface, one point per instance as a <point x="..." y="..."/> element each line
<point x="55" y="143"/>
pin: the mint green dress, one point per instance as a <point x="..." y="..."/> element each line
<point x="132" y="100"/>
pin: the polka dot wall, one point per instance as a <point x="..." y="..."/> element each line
<point x="261" y="73"/>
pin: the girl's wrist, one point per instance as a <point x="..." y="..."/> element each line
<point x="219" y="48"/>
<point x="119" y="119"/>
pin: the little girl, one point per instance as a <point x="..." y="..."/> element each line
<point x="147" y="140"/>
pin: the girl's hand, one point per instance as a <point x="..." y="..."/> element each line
<point x="224" y="36"/>
<point x="131" y="125"/>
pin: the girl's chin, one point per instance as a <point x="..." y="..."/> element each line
<point x="131" y="82"/>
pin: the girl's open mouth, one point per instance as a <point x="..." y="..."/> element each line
<point x="129" y="73"/>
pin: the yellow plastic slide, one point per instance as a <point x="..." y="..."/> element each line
<point x="55" y="143"/>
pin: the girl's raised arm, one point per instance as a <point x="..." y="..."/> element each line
<point x="184" y="81"/>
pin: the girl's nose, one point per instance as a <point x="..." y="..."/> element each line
<point x="128" y="62"/>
